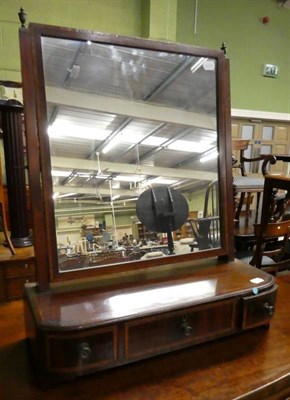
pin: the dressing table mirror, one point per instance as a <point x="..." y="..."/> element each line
<point x="109" y="118"/>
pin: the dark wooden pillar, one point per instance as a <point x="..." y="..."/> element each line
<point x="12" y="126"/>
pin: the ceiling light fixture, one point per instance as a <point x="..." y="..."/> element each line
<point x="111" y="144"/>
<point x="66" y="195"/>
<point x="210" y="156"/>
<point x="62" y="128"/>
<point x="198" y="64"/>
<point x="60" y="173"/>
<point x="209" y="65"/>
<point x="189" y="146"/>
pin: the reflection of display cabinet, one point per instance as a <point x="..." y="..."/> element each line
<point x="185" y="230"/>
<point x="85" y="230"/>
<point x="140" y="232"/>
<point x="266" y="137"/>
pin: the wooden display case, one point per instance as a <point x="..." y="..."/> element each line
<point x="87" y="319"/>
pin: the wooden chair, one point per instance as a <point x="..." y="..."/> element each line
<point x="246" y="184"/>
<point x="271" y="251"/>
<point x="206" y="230"/>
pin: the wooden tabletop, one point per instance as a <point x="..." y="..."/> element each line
<point x="22" y="253"/>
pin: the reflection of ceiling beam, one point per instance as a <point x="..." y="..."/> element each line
<point x="155" y="150"/>
<point x="98" y="209"/>
<point x="130" y="108"/>
<point x="110" y="167"/>
<point x="92" y="191"/>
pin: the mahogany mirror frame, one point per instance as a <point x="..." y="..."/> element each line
<point x="39" y="165"/>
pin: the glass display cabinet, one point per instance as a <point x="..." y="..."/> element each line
<point x="129" y="158"/>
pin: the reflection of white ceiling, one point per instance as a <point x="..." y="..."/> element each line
<point x="129" y="108"/>
<point x="118" y="111"/>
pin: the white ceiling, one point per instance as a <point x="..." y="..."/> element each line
<point x="152" y="110"/>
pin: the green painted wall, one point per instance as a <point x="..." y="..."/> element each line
<point x="163" y="19"/>
<point x="250" y="45"/>
<point x="113" y="16"/>
<point x="145" y="10"/>
<point x="237" y="22"/>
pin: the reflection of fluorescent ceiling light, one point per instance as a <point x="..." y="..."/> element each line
<point x="102" y="176"/>
<point x="209" y="65"/>
<point x="65" y="129"/>
<point x="127" y="200"/>
<point x="133" y="138"/>
<point x="71" y="178"/>
<point x="55" y="195"/>
<point x="60" y="173"/>
<point x="154" y="141"/>
<point x="198" y="64"/>
<point x="162" y="181"/>
<point x="129" y="178"/>
<point x="116" y="185"/>
<point x="67" y="195"/>
<point x="82" y="175"/>
<point x="110" y="145"/>
<point x="130" y="136"/>
<point x="115" y="197"/>
<point x="209" y="156"/>
<point x="190" y="147"/>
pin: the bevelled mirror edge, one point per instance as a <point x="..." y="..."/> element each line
<point x="48" y="255"/>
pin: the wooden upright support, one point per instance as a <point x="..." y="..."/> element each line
<point x="11" y="116"/>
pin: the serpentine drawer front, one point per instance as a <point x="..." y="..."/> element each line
<point x="169" y="331"/>
<point x="259" y="308"/>
<point x="82" y="351"/>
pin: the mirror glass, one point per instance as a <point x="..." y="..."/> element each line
<point x="121" y="121"/>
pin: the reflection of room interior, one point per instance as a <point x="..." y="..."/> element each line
<point x="93" y="236"/>
<point x="103" y="161"/>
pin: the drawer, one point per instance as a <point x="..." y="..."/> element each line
<point x="169" y="331"/>
<point x="81" y="351"/>
<point x="20" y="268"/>
<point x="15" y="286"/>
<point x="259" y="309"/>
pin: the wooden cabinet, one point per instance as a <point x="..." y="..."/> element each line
<point x="85" y="331"/>
<point x="140" y="232"/>
<point x="13" y="275"/>
<point x="266" y="137"/>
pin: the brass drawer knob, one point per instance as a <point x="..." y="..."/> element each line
<point x="84" y="351"/>
<point x="186" y="328"/>
<point x="269" y="309"/>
